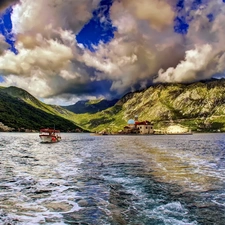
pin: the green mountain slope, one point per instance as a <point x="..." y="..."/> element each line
<point x="91" y="106"/>
<point x="20" y="110"/>
<point x="31" y="100"/>
<point x="199" y="106"/>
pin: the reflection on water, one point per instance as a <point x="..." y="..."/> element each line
<point x="134" y="180"/>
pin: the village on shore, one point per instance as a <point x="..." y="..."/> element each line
<point x="133" y="127"/>
<point x="136" y="127"/>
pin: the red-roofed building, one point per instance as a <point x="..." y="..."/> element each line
<point x="138" y="127"/>
<point x="144" y="127"/>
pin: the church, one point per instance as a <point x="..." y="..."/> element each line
<point x="138" y="127"/>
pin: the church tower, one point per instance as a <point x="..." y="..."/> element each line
<point x="136" y="118"/>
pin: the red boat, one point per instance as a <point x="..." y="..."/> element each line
<point x="49" y="135"/>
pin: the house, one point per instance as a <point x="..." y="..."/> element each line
<point x="137" y="127"/>
<point x="144" y="127"/>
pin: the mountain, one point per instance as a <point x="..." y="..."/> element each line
<point x="91" y="106"/>
<point x="199" y="106"/>
<point x="23" y="95"/>
<point x="20" y="111"/>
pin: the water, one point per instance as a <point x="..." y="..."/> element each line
<point x="116" y="180"/>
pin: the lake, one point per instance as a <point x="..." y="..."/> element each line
<point x="100" y="180"/>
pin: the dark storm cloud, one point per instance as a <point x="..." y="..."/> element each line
<point x="178" y="40"/>
<point x="6" y="3"/>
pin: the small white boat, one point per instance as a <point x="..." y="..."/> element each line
<point x="49" y="135"/>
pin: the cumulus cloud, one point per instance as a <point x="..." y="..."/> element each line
<point x="158" y="14"/>
<point x="142" y="45"/>
<point x="50" y="63"/>
<point x="45" y="16"/>
<point x="193" y="67"/>
<point x="206" y="46"/>
<point x="51" y="57"/>
<point x="48" y="55"/>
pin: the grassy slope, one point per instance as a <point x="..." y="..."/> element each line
<point x="200" y="106"/>
<point x="19" y="109"/>
<point x="111" y="118"/>
<point x="90" y="106"/>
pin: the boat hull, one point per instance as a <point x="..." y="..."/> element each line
<point x="49" y="139"/>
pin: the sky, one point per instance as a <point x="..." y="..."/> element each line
<point x="62" y="51"/>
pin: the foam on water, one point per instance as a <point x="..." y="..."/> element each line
<point x="32" y="192"/>
<point x="112" y="180"/>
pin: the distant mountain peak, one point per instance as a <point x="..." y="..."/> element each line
<point x="91" y="106"/>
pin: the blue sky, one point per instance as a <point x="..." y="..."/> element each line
<point x="95" y="31"/>
<point x="91" y="34"/>
<point x="127" y="45"/>
<point x="6" y="28"/>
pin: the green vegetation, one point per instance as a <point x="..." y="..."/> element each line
<point x="18" y="114"/>
<point x="199" y="106"/>
<point x="111" y="119"/>
<point x="91" y="106"/>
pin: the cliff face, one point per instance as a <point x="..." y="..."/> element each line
<point x="199" y="105"/>
<point x="178" y="101"/>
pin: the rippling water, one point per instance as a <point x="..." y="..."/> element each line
<point x="134" y="180"/>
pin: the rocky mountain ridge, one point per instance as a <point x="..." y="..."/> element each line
<point x="198" y="106"/>
<point x="91" y="106"/>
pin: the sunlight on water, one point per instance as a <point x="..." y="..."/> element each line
<point x="112" y="179"/>
<point x="189" y="171"/>
<point x="194" y="170"/>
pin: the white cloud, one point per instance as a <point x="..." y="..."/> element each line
<point x="48" y="57"/>
<point x="43" y="16"/>
<point x="139" y="49"/>
<point x="159" y="14"/>
<point x="195" y="64"/>
<point x="206" y="47"/>
<point x="144" y="45"/>
<point x="51" y="57"/>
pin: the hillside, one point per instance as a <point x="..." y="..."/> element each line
<point x="31" y="100"/>
<point x="91" y="106"/>
<point x="199" y="106"/>
<point x="20" y="110"/>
